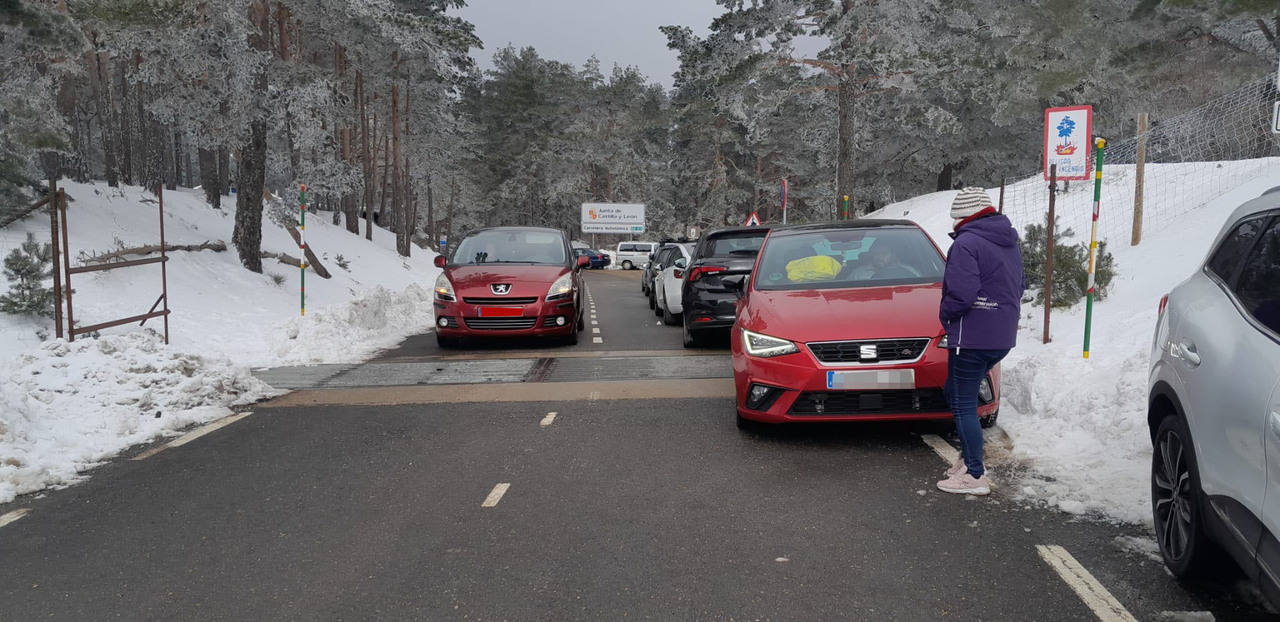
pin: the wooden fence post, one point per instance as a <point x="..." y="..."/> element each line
<point x="1048" y="245"/>
<point x="1138" y="179"/>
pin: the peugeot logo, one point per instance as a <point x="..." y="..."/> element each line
<point x="500" y="289"/>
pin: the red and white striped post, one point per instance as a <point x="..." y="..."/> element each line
<point x="302" y="245"/>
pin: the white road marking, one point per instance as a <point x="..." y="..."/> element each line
<point x="495" y="495"/>
<point x="1096" y="597"/>
<point x="546" y="421"/>
<point x="593" y="396"/>
<point x="597" y="340"/>
<point x="192" y="435"/>
<point x="5" y="519"/>
<point x="595" y="331"/>
<point x="944" y="449"/>
<point x="593" y="322"/>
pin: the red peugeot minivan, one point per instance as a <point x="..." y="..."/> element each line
<point x="510" y="282"/>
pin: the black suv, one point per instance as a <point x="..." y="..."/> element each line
<point x="722" y="256"/>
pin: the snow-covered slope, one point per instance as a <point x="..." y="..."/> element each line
<point x="1080" y="424"/>
<point x="65" y="407"/>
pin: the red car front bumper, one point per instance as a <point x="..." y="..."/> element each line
<point x="801" y="382"/>
<point x="537" y="319"/>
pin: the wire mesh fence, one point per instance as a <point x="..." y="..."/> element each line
<point x="1186" y="167"/>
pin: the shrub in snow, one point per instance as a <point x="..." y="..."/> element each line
<point x="1070" y="266"/>
<point x="26" y="268"/>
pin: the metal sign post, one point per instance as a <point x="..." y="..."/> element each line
<point x="1048" y="246"/>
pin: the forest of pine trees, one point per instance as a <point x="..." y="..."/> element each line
<point x="378" y="107"/>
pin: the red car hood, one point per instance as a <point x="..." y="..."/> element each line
<point x="526" y="280"/>
<point x="845" y="314"/>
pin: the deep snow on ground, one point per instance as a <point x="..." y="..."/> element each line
<point x="67" y="406"/>
<point x="1080" y="424"/>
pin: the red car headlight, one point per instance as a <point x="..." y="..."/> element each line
<point x="765" y="346"/>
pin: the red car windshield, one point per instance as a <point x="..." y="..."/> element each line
<point x="842" y="258"/>
<point x="507" y="246"/>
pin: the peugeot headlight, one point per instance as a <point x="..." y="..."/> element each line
<point x="444" y="289"/>
<point x="765" y="346"/>
<point x="561" y="288"/>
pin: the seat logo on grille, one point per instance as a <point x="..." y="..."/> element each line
<point x="500" y="289"/>
<point x="867" y="351"/>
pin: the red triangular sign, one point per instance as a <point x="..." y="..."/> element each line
<point x="753" y="221"/>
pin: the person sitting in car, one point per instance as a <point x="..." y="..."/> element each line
<point x="882" y="264"/>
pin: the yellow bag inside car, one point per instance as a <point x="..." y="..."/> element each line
<point x="815" y="268"/>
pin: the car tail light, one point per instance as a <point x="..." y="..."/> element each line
<point x="1164" y="302"/>
<point x="701" y="270"/>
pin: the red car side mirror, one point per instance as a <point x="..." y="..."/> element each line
<point x="583" y="261"/>
<point x="439" y="261"/>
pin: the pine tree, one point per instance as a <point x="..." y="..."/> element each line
<point x="26" y="269"/>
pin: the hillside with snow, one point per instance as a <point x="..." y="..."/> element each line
<point x="67" y="406"/>
<point x="1079" y="425"/>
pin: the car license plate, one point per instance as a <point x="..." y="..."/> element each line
<point x="863" y="380"/>
<point x="501" y="311"/>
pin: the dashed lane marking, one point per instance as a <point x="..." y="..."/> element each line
<point x="593" y="322"/>
<point x="597" y="340"/>
<point x="595" y="331"/>
<point x="1096" y="597"/>
<point x="5" y="519"/>
<point x="495" y="495"/>
<point x="546" y="421"/>
<point x="944" y="449"/>
<point x="192" y="435"/>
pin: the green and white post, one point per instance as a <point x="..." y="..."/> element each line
<point x="846" y="207"/>
<point x="1101" y="145"/>
<point x="302" y="245"/>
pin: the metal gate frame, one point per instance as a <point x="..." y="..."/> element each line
<point x="59" y="198"/>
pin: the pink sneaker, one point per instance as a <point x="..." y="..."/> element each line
<point x="956" y="468"/>
<point x="964" y="484"/>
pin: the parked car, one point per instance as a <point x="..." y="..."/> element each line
<point x="650" y="270"/>
<point x="1214" y="405"/>
<point x="709" y="304"/>
<point x="596" y="258"/>
<point x="632" y="255"/>
<point x="667" y="282"/>
<point x="510" y="281"/>
<point x="839" y="322"/>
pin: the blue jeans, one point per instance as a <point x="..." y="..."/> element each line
<point x="965" y="370"/>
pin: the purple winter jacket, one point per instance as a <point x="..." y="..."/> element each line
<point x="983" y="285"/>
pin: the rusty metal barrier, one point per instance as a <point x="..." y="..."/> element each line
<point x="60" y="198"/>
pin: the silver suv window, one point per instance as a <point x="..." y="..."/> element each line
<point x="1259" y="286"/>
<point x="1226" y="260"/>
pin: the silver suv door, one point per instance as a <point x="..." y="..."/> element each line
<point x="1227" y="368"/>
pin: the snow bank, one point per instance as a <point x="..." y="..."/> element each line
<point x="1080" y="424"/>
<point x="65" y="407"/>
<point x="355" y="330"/>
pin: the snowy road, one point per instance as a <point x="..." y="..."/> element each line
<point x="600" y="481"/>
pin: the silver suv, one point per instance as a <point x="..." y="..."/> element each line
<point x="1215" y="404"/>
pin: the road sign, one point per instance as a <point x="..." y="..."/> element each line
<point x="1067" y="135"/>
<point x="752" y="221"/>
<point x="1275" y="119"/>
<point x="613" y="217"/>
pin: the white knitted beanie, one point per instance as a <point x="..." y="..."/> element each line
<point x="970" y="201"/>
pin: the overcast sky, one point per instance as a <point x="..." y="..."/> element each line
<point x="622" y="32"/>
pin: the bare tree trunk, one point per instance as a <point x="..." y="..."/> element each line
<point x="366" y="159"/>
<point x="845" y="99"/>
<point x="209" y="177"/>
<point x="386" y="168"/>
<point x="251" y="177"/>
<point x="397" y="177"/>
<point x="431" y="217"/>
<point x="177" y="162"/>
<point x="101" y="96"/>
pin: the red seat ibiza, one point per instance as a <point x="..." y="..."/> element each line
<point x="839" y="322"/>
<point x="510" y="282"/>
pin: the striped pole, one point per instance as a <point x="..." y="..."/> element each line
<point x="784" y="200"/>
<point x="302" y="244"/>
<point x="1101" y="145"/>
<point x="846" y="207"/>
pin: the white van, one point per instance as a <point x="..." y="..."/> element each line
<point x="632" y="255"/>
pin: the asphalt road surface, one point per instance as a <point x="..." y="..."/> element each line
<point x="602" y="481"/>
